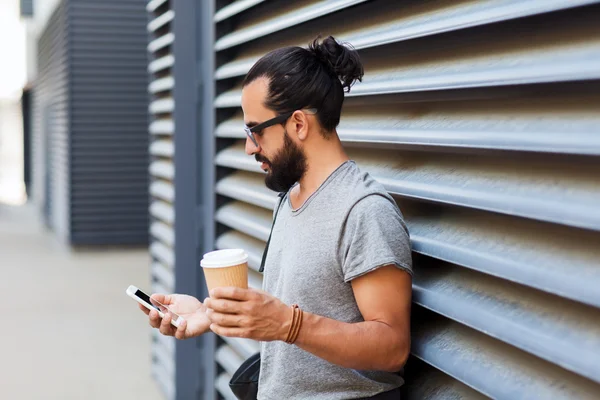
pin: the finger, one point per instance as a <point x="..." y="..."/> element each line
<point x="180" y="333"/>
<point x="226" y="320"/>
<point x="165" y="326"/>
<point x="223" y="306"/>
<point x="144" y="309"/>
<point x="229" y="332"/>
<point x="154" y="319"/>
<point x="231" y="293"/>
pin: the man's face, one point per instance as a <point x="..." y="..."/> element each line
<point x="282" y="159"/>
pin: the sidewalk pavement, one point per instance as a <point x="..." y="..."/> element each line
<point x="67" y="328"/>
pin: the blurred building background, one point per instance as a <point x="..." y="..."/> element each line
<point x="481" y="117"/>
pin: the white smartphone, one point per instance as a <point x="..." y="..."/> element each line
<point x="152" y="304"/>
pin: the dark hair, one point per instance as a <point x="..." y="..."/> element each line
<point x="315" y="77"/>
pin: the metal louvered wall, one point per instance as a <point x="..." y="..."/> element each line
<point x="482" y="119"/>
<point x="108" y="122"/>
<point x="162" y="172"/>
<point x="50" y="99"/>
<point x="90" y="139"/>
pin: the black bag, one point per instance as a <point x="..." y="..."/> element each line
<point x="244" y="383"/>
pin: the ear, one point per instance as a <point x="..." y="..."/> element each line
<point x="299" y="125"/>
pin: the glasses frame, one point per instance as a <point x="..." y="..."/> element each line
<point x="281" y="118"/>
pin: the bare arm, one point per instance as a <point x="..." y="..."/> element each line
<point x="382" y="341"/>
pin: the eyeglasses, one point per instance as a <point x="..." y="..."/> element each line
<point x="273" y="121"/>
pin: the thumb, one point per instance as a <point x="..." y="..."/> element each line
<point x="162" y="298"/>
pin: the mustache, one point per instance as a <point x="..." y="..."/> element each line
<point x="260" y="158"/>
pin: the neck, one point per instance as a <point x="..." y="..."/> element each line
<point x="321" y="161"/>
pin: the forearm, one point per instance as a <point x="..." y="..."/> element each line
<point x="369" y="345"/>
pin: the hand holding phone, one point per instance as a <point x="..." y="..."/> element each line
<point x="153" y="304"/>
<point x="188" y="312"/>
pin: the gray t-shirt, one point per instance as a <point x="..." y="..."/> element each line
<point x="348" y="227"/>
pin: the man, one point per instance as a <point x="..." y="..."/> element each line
<point x="339" y="248"/>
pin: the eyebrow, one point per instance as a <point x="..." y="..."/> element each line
<point x="251" y="124"/>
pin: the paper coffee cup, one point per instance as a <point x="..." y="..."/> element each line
<point x="225" y="268"/>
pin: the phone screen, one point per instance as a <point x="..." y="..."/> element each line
<point x="156" y="304"/>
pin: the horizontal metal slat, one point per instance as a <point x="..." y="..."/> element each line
<point x="162" y="148"/>
<point x="244" y="347"/>
<point x="161" y="85"/>
<point x="228" y="359"/>
<point x="245" y="218"/>
<point x="162" y="127"/>
<point x="164" y="357"/>
<point x="162" y="211"/>
<point x="400" y="22"/>
<point x="163" y="253"/>
<point x="432" y="384"/>
<point x="234" y="8"/>
<point x="242" y="186"/>
<point x="523" y="251"/>
<point x="162" y="169"/>
<point x="562" y="332"/>
<point x="166" y="384"/>
<point x="539" y="191"/>
<point x="168" y="342"/>
<point x="164" y="275"/>
<point x="492" y="367"/>
<point x="161" y="42"/>
<point x="161" y="20"/>
<point x="163" y="232"/>
<point x="161" y="63"/>
<point x="288" y="20"/>
<point x="163" y="190"/>
<point x="161" y="106"/>
<point x="222" y="385"/>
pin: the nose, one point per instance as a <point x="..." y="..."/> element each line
<point x="251" y="148"/>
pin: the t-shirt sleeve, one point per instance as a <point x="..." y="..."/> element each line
<point x="374" y="236"/>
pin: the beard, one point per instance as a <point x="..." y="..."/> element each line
<point x="286" y="168"/>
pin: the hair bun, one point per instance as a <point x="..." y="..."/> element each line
<point x="341" y="59"/>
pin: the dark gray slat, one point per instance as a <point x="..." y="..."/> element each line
<point x="426" y="382"/>
<point x="562" y="332"/>
<point x="100" y="75"/>
<point x="106" y="97"/>
<point x="537" y="255"/>
<point x="99" y="149"/>
<point x="83" y="159"/>
<point x="392" y="22"/>
<point x="104" y="28"/>
<point x="120" y="238"/>
<point x="235" y="8"/>
<point x="107" y="178"/>
<point x="108" y="187"/>
<point x="537" y="190"/>
<point x="107" y="202"/>
<point x="275" y="24"/>
<point x="122" y="216"/>
<point x="97" y="59"/>
<point x="137" y="227"/>
<point x="105" y="107"/>
<point x="492" y="367"/>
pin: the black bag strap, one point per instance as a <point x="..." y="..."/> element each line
<point x="264" y="257"/>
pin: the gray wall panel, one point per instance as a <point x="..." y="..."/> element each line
<point x="108" y="120"/>
<point x="481" y="119"/>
